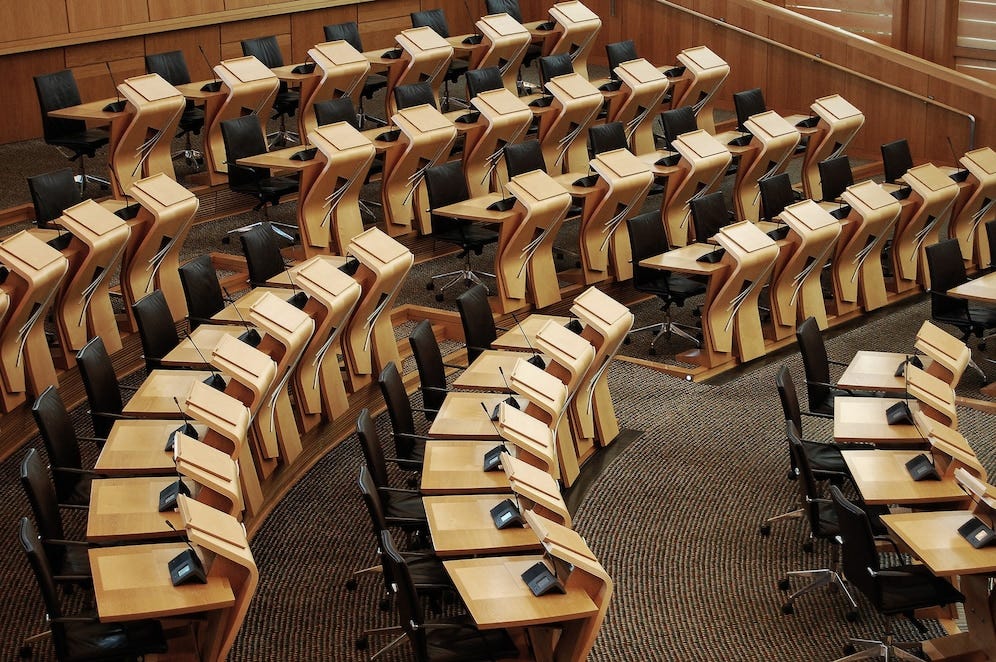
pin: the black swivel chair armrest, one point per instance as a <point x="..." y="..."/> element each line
<point x="815" y="414"/>
<point x="398" y="490"/>
<point x="892" y="543"/>
<point x="74" y="619"/>
<point x="832" y="362"/>
<point x="73" y="578"/>
<point x="454" y="365"/>
<point x="77" y="472"/>
<point x="408" y="435"/>
<point x="831" y="385"/>
<point x="97" y="440"/>
<point x="60" y="541"/>
<point x="437" y="389"/>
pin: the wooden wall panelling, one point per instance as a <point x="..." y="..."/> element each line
<point x="308" y="28"/>
<point x="22" y="118"/>
<point x="889" y="116"/>
<point x="244" y="4"/>
<point x="24" y="20"/>
<point x="976" y="101"/>
<point x="456" y="14"/>
<point x="375" y="11"/>
<point x="610" y="31"/>
<point x="96" y="14"/>
<point x="89" y="62"/>
<point x="164" y="9"/>
<point x="207" y="37"/>
<point x="232" y="34"/>
<point x="380" y="34"/>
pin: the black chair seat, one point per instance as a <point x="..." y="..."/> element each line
<point x="403" y="506"/>
<point x="87" y="142"/>
<point x="677" y="287"/>
<point x="286" y="102"/>
<point x="470" y="236"/>
<point x="75" y="562"/>
<point x="428" y="572"/>
<point x="192" y="120"/>
<point x="277" y="186"/>
<point x="373" y="84"/>
<point x="448" y="642"/>
<point x="983" y="317"/>
<point x="457" y="68"/>
<point x="101" y="641"/>
<point x="79" y="495"/>
<point x="413" y="461"/>
<point x="919" y="589"/>
<point x="823" y="458"/>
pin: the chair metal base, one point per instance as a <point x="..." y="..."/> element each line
<point x="798" y="513"/>
<point x="820" y="577"/>
<point x="278" y="229"/>
<point x="466" y="274"/>
<point x="888" y="649"/>
<point x="668" y="328"/>
<point x="190" y="155"/>
<point x="282" y="138"/>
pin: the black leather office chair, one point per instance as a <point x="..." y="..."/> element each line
<point x="835" y="177"/>
<point x="431" y="367"/>
<point x="68" y="559"/>
<point x="896" y="160"/>
<point x="243" y="137"/>
<point x="332" y="111"/>
<point x="445" y="185"/>
<point x="84" y="637"/>
<point x="677" y="121"/>
<point x="72" y="481"/>
<point x="619" y="52"/>
<point x="262" y="253"/>
<point x="748" y="103"/>
<point x="709" y="215"/>
<point x="52" y="193"/>
<point x="991" y="240"/>
<point x="172" y="66"/>
<point x="820" y="387"/>
<point x="947" y="269"/>
<point x="58" y="90"/>
<point x="479" y="329"/>
<point x="647" y="238"/>
<point x="409" y="447"/>
<point x="103" y="390"/>
<point x="606" y="137"/>
<point x="402" y="508"/>
<point x="439" y="640"/>
<point x="895" y="590"/>
<point x="483" y="80"/>
<point x="202" y="290"/>
<point x="267" y="51"/>
<point x="554" y="65"/>
<point x="410" y="95"/>
<point x="776" y="194"/>
<point x="436" y="19"/>
<point x="156" y="328"/>
<point x="350" y="33"/>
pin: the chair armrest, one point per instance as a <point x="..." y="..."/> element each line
<point x="73" y="578"/>
<point x="831" y="385"/>
<point x="888" y="540"/>
<point x="454" y="365"/>
<point x="815" y="414"/>
<point x="96" y="440"/>
<point x="407" y="435"/>
<point x="438" y="389"/>
<point x="127" y="388"/>
<point x="398" y="490"/>
<point x="77" y="472"/>
<point x="74" y="619"/>
<point x="840" y="363"/>
<point x="60" y="541"/>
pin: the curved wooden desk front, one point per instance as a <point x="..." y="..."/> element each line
<point x="704" y="161"/>
<point x="919" y="224"/>
<point x="638" y="102"/>
<point x="704" y="74"/>
<point x="574" y="31"/>
<point x="504" y="42"/>
<point x="506" y="120"/>
<point x="563" y="130"/>
<point x="773" y="144"/>
<point x="145" y="147"/>
<point x="342" y="69"/>
<point x="425" y="57"/>
<point x="968" y="218"/>
<point x="838" y="124"/>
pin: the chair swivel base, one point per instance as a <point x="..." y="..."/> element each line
<point x="467" y="275"/>
<point x="282" y="138"/>
<point x="888" y="650"/>
<point x="193" y="157"/>
<point x="278" y="229"/>
<point x="83" y="180"/>
<point x="820" y="577"/>
<point x="765" y="528"/>
<point x="666" y="328"/>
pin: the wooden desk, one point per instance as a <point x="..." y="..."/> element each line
<point x="461" y="525"/>
<point x="974" y="205"/>
<point x="127" y="510"/>
<point x="882" y="479"/>
<point x="132" y="582"/>
<point x="244" y="303"/>
<point x="195" y="350"/>
<point x="863" y="420"/>
<point x="155" y="397"/>
<point x="982" y="289"/>
<point x="874" y="371"/>
<point x="461" y="417"/>
<point x="522" y="336"/>
<point x="93" y="112"/>
<point x="484" y="375"/>
<point x="137" y="447"/>
<point x="493" y="590"/>
<point x="456" y="467"/>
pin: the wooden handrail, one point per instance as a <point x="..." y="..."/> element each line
<point x="816" y="57"/>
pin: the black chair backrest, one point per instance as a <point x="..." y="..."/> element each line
<point x="483" y="80"/>
<point x="619" y="52"/>
<point x="820" y="525"/>
<point x="510" y="7"/>
<point x="263" y="257"/>
<point x="52" y="193"/>
<point x="858" y="554"/>
<point x="348" y="32"/>
<point x="946" y="269"/>
<point x="445" y="184"/>
<point x="479" y="329"/>
<point x="789" y="397"/>
<point x="201" y="289"/>
<point x="524" y="157"/>
<point x="835" y="177"/>
<point x="46" y="584"/>
<point x="101" y="384"/>
<point x="375" y="507"/>
<point x="429" y="361"/>
<point x="156" y="328"/>
<point x="373" y="453"/>
<point x="896" y="159"/>
<point x="991" y="238"/>
<point x="399" y="409"/>
<point x="409" y="606"/>
<point x="331" y="111"/>
<point x="58" y="90"/>
<point x="815" y="362"/>
<point x="243" y="136"/>
<point x="432" y="18"/>
<point x="747" y="103"/>
<point x="264" y="49"/>
<point x="676" y="122"/>
<point x="172" y="66"/>
<point x="554" y="65"/>
<point x="776" y="194"/>
<point x="61" y="444"/>
<point x="414" y="94"/>
<point x="709" y="214"/>
<point x="44" y="505"/>
<point x="606" y="137"/>
<point x="646" y="239"/>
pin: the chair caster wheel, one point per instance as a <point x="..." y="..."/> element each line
<point x="849" y="649"/>
<point x="791" y="475"/>
<point x="362" y="643"/>
<point x="384" y="604"/>
<point x="652" y="352"/>
<point x="25" y="653"/>
<point x="627" y="340"/>
<point x="467" y="282"/>
<point x="982" y="346"/>
<point x="783" y="584"/>
<point x="350" y="584"/>
<point x="852" y="616"/>
<point x="787" y="608"/>
<point x="807" y="547"/>
<point x="226" y="240"/>
<point x="439" y="297"/>
<point x="430" y="286"/>
<point x="765" y="530"/>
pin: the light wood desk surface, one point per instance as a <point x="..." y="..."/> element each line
<point x="982" y="289"/>
<point x="461" y="525"/>
<point x="882" y="478"/>
<point x="483" y="374"/>
<point x="493" y="590"/>
<point x="132" y="582"/>
<point x="685" y="260"/>
<point x="522" y="336"/>
<point x="91" y="110"/>
<point x="196" y="350"/>
<point x="461" y="416"/>
<point x="456" y="467"/>
<point x="127" y="509"/>
<point x="154" y="398"/>
<point x="863" y="420"/>
<point x="874" y="371"/>
<point x="241" y="306"/>
<point x="136" y="447"/>
<point x="933" y="537"/>
<point x="476" y="209"/>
